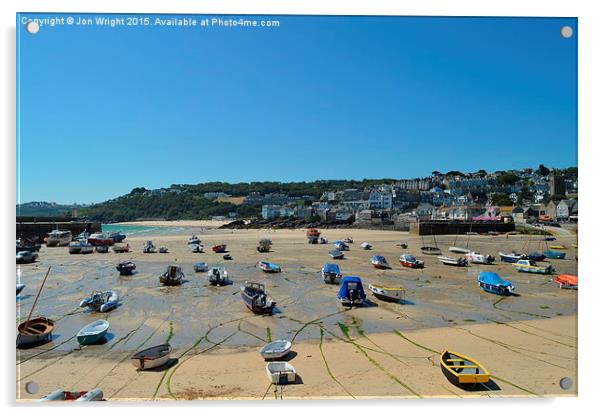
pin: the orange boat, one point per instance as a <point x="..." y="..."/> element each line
<point x="566" y="281"/>
<point x="312" y="233"/>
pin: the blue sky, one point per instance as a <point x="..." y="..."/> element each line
<point x="102" y="110"/>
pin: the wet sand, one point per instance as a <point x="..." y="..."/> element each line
<point x="380" y="350"/>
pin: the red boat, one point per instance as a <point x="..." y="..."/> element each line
<point x="100" y="239"/>
<point x="219" y="249"/>
<point x="410" y="261"/>
<point x="566" y="281"/>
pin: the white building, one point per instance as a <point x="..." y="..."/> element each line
<point x="380" y="200"/>
<point x="275" y="211"/>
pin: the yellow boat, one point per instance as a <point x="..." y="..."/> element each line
<point x="557" y="247"/>
<point x="462" y="371"/>
<point x="387" y="293"/>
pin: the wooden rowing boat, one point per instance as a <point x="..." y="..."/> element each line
<point x="37" y="330"/>
<point x="462" y="371"/>
<point x="152" y="357"/>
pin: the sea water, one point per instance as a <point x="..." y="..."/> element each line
<point x="142" y="230"/>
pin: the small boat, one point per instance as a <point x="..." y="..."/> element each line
<point x="379" y="262"/>
<point x="101" y="301"/>
<point x="554" y="254"/>
<point x="256" y="298"/>
<point x="173" y="276"/>
<point x="341" y="246"/>
<point x="331" y="273"/>
<point x="58" y="238"/>
<point x="366" y="246"/>
<point x="351" y="292"/>
<point x="100" y="238"/>
<point x="227" y="257"/>
<point x="348" y="240"/>
<point x="26" y="245"/>
<point x="512" y="257"/>
<point x="20" y="288"/>
<point x="410" y="261"/>
<point x="163" y="250"/>
<point x="336" y="254"/>
<point x="478" y="258"/>
<point x="80" y="247"/>
<point x="268" y="266"/>
<point x="276" y="349"/>
<point x="557" y="246"/>
<point x="126" y="268"/>
<point x="430" y="250"/>
<point x="535" y="256"/>
<point x="455" y="262"/>
<point x="322" y="241"/>
<point x="93" y="332"/>
<point x="80" y="396"/>
<point x="196" y="248"/>
<point x="34" y="331"/>
<point x="121" y="248"/>
<point x="101" y="249"/>
<point x="201" y="267"/>
<point x="152" y="357"/>
<point x="194" y="240"/>
<point x="264" y="245"/>
<point x="281" y="373"/>
<point x="566" y="281"/>
<point x="218" y="276"/>
<point x="493" y="283"/>
<point x="149" y="248"/>
<point x="387" y="293"/>
<point x="402" y="245"/>
<point x="26" y="257"/>
<point x="527" y="265"/>
<point x="549" y="238"/>
<point x="312" y="240"/>
<point x="117" y="237"/>
<point x="462" y="371"/>
<point x="312" y="233"/>
<point x="83" y="236"/>
<point x="459" y="250"/>
<point x="219" y="249"/>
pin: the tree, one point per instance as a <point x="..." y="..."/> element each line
<point x="557" y="198"/>
<point x="525" y="195"/>
<point x="482" y="173"/>
<point x="500" y="199"/>
<point x="436" y="173"/>
<point x="454" y="173"/>
<point x="543" y="170"/>
<point x="507" y="179"/>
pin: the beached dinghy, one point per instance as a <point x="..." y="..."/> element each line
<point x="35" y="331"/>
<point x="566" y="281"/>
<point x="268" y="267"/>
<point x="194" y="240"/>
<point x="331" y="273"/>
<point x="493" y="283"/>
<point x="387" y="293"/>
<point x="121" y="248"/>
<point x="99" y="238"/>
<point x="152" y="357"/>
<point x="341" y="246"/>
<point x="348" y="240"/>
<point x="173" y="276"/>
<point x="163" y="250"/>
<point x="101" y="249"/>
<point x="201" y="267"/>
<point x="80" y="396"/>
<point x="410" y="261"/>
<point x="351" y="292"/>
<point x="558" y="246"/>
<point x="149" y="248"/>
<point x="80" y="247"/>
<point x="281" y="373"/>
<point x="276" y="349"/>
<point x="535" y="256"/>
<point x="196" y="248"/>
<point x="512" y="257"/>
<point x="549" y="238"/>
<point x="256" y="298"/>
<point x="101" y="301"/>
<point x="455" y="262"/>
<point x="478" y="258"/>
<point x="366" y="246"/>
<point x="20" y="288"/>
<point x="459" y="250"/>
<point x="554" y="254"/>
<point x="117" y="236"/>
<point x="402" y="245"/>
<point x="218" y="276"/>
<point x="430" y="250"/>
<point x="126" y="268"/>
<point x="264" y="245"/>
<point x="526" y="265"/>
<point x="379" y="262"/>
<point x="219" y="249"/>
<point x="93" y="332"/>
<point x="336" y="254"/>
<point x="462" y="371"/>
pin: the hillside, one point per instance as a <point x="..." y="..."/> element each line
<point x="43" y="209"/>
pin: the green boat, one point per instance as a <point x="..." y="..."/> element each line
<point x="93" y="332"/>
<point x="554" y="254"/>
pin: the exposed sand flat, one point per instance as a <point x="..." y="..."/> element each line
<point x="380" y="350"/>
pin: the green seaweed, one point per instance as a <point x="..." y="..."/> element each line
<point x="268" y="334"/>
<point x="344" y="329"/>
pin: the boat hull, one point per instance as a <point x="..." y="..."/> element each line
<point x="494" y="289"/>
<point x="39" y="330"/>
<point x="331" y="278"/>
<point x="150" y="359"/>
<point x="466" y="375"/>
<point x="87" y="339"/>
<point x="391" y="294"/>
<point x="411" y="264"/>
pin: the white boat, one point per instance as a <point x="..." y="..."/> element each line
<point x="58" y="238"/>
<point x="152" y="357"/>
<point x="218" y="276"/>
<point x="196" y="247"/>
<point x="63" y="395"/>
<point x="457" y="262"/>
<point x="93" y="332"/>
<point x="201" y="267"/>
<point x="276" y="349"/>
<point x="194" y="240"/>
<point x="20" y="288"/>
<point x="366" y="246"/>
<point x="101" y="301"/>
<point x="478" y="258"/>
<point x="387" y="293"/>
<point x="459" y="250"/>
<point x="281" y="373"/>
<point x="80" y="247"/>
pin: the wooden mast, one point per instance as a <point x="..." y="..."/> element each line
<point x="36" y="300"/>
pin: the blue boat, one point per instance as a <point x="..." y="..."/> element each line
<point x="336" y="254"/>
<point x="493" y="283"/>
<point x="535" y="256"/>
<point x="117" y="237"/>
<point x="554" y="254"/>
<point x="341" y="246"/>
<point x="331" y="273"/>
<point x="351" y="292"/>
<point x="93" y="332"/>
<point x="549" y="238"/>
<point x="266" y="266"/>
<point x="512" y="257"/>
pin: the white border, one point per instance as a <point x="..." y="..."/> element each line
<point x="590" y="135"/>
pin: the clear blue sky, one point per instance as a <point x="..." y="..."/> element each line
<point x="103" y="110"/>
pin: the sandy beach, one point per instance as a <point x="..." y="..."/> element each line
<point x="528" y="342"/>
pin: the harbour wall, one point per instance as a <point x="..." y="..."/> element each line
<point x="38" y="228"/>
<point x="454" y="228"/>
